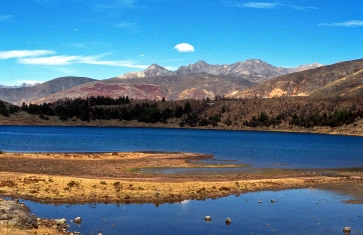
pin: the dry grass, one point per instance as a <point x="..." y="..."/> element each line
<point x="12" y="230"/>
<point x="127" y="186"/>
<point x="58" y="189"/>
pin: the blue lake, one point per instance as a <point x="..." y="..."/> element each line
<point x="299" y="211"/>
<point x="261" y="149"/>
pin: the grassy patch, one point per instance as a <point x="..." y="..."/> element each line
<point x="134" y="170"/>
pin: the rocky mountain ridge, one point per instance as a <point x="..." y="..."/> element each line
<point x="197" y="81"/>
<point x="254" y="70"/>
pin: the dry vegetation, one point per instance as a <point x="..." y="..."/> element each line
<point x="232" y="113"/>
<point x="113" y="177"/>
<point x="81" y="178"/>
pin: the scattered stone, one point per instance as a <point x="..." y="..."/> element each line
<point x="207" y="218"/>
<point x="228" y="220"/>
<point x="60" y="222"/>
<point x="347" y="230"/>
<point x="77" y="220"/>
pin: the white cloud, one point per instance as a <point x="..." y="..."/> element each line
<point x="115" y="4"/>
<point x="261" y="5"/>
<point x="351" y="23"/>
<point x="39" y="57"/>
<point x="5" y="17"/>
<point x="171" y="68"/>
<point x="66" y="60"/>
<point x="184" y="47"/>
<point x="126" y="25"/>
<point x="302" y="8"/>
<point x="23" y="53"/>
<point x="268" y="5"/>
<point x="77" y="45"/>
<point x="50" y="60"/>
<point x="118" y="63"/>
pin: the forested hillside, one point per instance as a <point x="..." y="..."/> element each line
<point x="283" y="112"/>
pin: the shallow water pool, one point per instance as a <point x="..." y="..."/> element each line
<point x="298" y="211"/>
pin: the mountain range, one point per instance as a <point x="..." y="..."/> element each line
<point x="253" y="70"/>
<point x="248" y="79"/>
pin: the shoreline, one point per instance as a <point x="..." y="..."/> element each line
<point x="81" y="178"/>
<point x="112" y="177"/>
<point x="320" y="130"/>
<point x="22" y="119"/>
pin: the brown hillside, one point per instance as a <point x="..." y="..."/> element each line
<point x="172" y="87"/>
<point x="28" y="94"/>
<point x="350" y="85"/>
<point x="304" y="83"/>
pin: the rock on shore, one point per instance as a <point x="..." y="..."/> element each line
<point x="17" y="214"/>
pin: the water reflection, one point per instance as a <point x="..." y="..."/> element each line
<point x="299" y="211"/>
<point x="353" y="191"/>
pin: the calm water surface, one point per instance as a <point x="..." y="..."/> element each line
<point x="261" y="149"/>
<point x="302" y="211"/>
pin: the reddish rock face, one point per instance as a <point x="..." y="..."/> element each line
<point x="100" y="89"/>
<point x="147" y="88"/>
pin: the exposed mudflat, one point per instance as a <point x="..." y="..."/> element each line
<point x="114" y="177"/>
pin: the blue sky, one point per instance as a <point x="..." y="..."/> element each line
<point x="44" y="39"/>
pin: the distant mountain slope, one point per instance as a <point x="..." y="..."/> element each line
<point x="28" y="94"/>
<point x="172" y="87"/>
<point x="252" y="70"/>
<point x="22" y="85"/>
<point x="195" y="81"/>
<point x="303" y="83"/>
<point x="152" y="71"/>
<point x="346" y="86"/>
